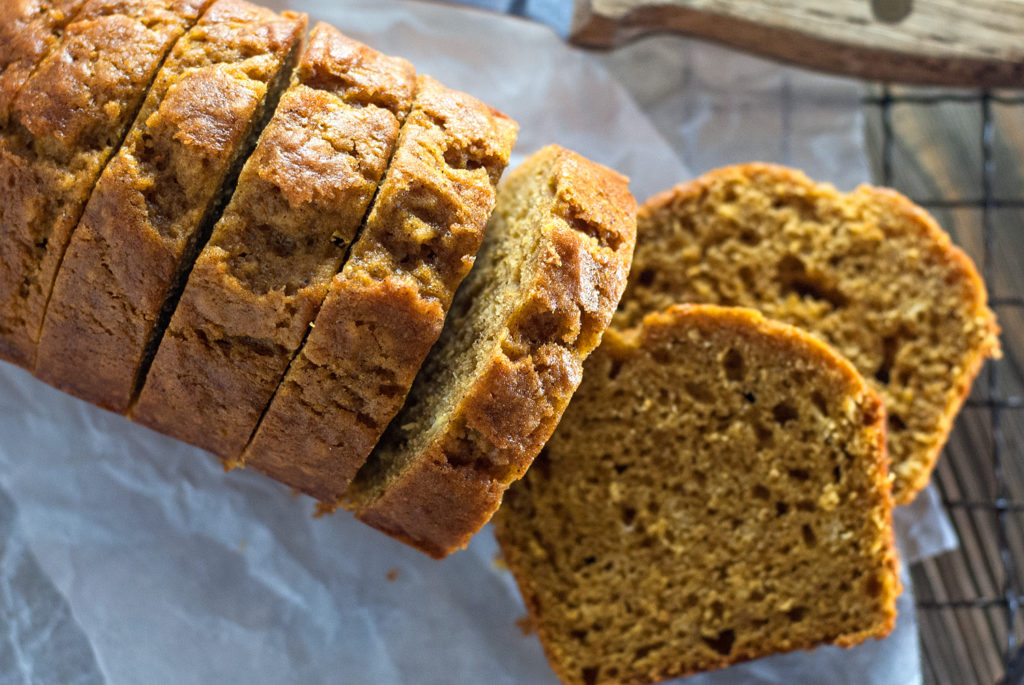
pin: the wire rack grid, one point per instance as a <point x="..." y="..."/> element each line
<point x="958" y="153"/>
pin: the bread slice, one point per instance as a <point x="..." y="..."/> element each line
<point x="29" y="29"/>
<point x="868" y="272"/>
<point x="387" y="306"/>
<point x="65" y="122"/>
<point x="717" y="491"/>
<point x="157" y="199"/>
<point x="551" y="271"/>
<point x="266" y="269"/>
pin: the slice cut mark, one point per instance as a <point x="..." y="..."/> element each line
<point x="552" y="268"/>
<point x="66" y="121"/>
<point x="868" y="271"/>
<point x="262" y="277"/>
<point x="158" y="198"/>
<point x="28" y="31"/>
<point x="386" y="307"/>
<point x="666" y="531"/>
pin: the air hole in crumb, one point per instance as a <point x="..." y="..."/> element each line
<point x="873" y="587"/>
<point x="781" y="508"/>
<point x="747" y="276"/>
<point x="750" y="238"/>
<point x="733" y="363"/>
<point x="579" y="635"/>
<point x="628" y="515"/>
<point x="590" y="675"/>
<point x="765" y="438"/>
<point x="837" y="474"/>
<point x="795" y="279"/>
<point x="750" y="397"/>
<point x="621" y="468"/>
<point x="896" y="423"/>
<point x="820" y="402"/>
<point x="783" y="412"/>
<point x="700" y="477"/>
<point x="799" y="474"/>
<point x="641" y="652"/>
<point x="796" y="614"/>
<point x="587" y="561"/>
<point x="756" y="596"/>
<point x="661" y="355"/>
<point x="810" y="539"/>
<point x="761" y="492"/>
<point x="890" y="346"/>
<point x="646" y="277"/>
<point x="723" y="642"/>
<point x="614" y="369"/>
<point x="699" y="392"/>
<point x="806" y="505"/>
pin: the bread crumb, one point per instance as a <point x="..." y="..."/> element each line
<point x="392" y="575"/>
<point x="525" y="625"/>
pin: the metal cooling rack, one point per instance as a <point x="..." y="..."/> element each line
<point x="961" y="155"/>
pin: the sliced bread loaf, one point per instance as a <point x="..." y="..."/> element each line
<point x="552" y="268"/>
<point x="387" y="306"/>
<point x="717" y="491"/>
<point x="157" y="199"/>
<point x="28" y="30"/>
<point x="65" y="122"/>
<point x="868" y="272"/>
<point x="262" y="277"/>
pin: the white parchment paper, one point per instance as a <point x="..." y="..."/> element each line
<point x="127" y="557"/>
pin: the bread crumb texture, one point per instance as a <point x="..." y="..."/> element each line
<point x="260" y="280"/>
<point x="717" y="491"/>
<point x="550" y="273"/>
<point x="869" y="272"/>
<point x="154" y="203"/>
<point x="63" y="125"/>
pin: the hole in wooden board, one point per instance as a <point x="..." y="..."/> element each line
<point x="891" y="11"/>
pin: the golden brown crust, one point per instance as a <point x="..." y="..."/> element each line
<point x="261" y="279"/>
<point x="880" y="211"/>
<point x="387" y="306"/>
<point x="155" y="201"/>
<point x="65" y="123"/>
<point x="535" y="560"/>
<point x="502" y="419"/>
<point x="28" y="30"/>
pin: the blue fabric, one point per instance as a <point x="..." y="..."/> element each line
<point x="555" y="13"/>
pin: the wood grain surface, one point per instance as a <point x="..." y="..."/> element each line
<point x="947" y="42"/>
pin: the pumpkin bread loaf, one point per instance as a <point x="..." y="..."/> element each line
<point x="869" y="272"/>
<point x="64" y="124"/>
<point x="552" y="268"/>
<point x="387" y="306"/>
<point x="717" y="491"/>
<point x="156" y="201"/>
<point x="28" y="30"/>
<point x="260" y="280"/>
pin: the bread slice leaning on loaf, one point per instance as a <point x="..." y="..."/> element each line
<point x="387" y="306"/>
<point x="717" y="491"/>
<point x="260" y="280"/>
<point x="29" y="29"/>
<point x="550" y="273"/>
<point x="156" y="201"/>
<point x="64" y="124"/>
<point x="868" y="272"/>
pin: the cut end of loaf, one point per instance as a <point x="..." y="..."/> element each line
<point x="549" y="274"/>
<point x="717" y="491"/>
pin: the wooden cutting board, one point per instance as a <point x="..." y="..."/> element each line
<point x="976" y="43"/>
